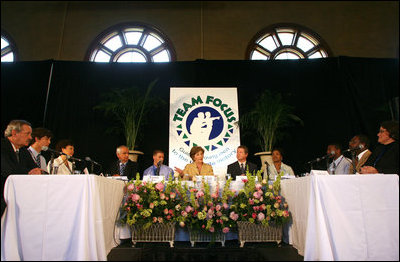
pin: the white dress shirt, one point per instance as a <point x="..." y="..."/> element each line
<point x="342" y="165"/>
<point x="34" y="153"/>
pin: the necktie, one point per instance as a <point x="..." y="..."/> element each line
<point x="242" y="168"/>
<point x="38" y="160"/>
<point x="17" y="155"/>
<point x="122" y="169"/>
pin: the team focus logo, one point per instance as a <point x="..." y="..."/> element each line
<point x="204" y="121"/>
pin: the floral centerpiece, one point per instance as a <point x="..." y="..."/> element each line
<point x="260" y="203"/>
<point x="209" y="212"/>
<point x="151" y="203"/>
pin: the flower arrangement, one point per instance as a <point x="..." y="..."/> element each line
<point x="209" y="212"/>
<point x="145" y="203"/>
<point x="260" y="203"/>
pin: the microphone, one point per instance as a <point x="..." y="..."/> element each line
<point x="354" y="149"/>
<point x="321" y="158"/>
<point x="158" y="168"/>
<point x="91" y="160"/>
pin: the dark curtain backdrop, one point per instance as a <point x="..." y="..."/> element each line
<point x="335" y="97"/>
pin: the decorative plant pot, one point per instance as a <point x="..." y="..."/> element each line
<point x="201" y="236"/>
<point x="265" y="157"/>
<point x="250" y="232"/>
<point x="154" y="233"/>
<point x="134" y="154"/>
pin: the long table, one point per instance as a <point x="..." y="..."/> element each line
<point x="344" y="217"/>
<point x="59" y="217"/>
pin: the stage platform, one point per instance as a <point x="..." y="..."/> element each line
<point x="182" y="251"/>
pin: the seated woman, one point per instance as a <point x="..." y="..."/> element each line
<point x="198" y="167"/>
<point x="278" y="166"/>
<point x="62" y="165"/>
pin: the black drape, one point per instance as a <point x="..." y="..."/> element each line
<point x="335" y="97"/>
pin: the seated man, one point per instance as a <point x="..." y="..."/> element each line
<point x="158" y="169"/>
<point x="240" y="167"/>
<point x="123" y="166"/>
<point x="41" y="138"/>
<point x="340" y="164"/>
<point x="359" y="145"/>
<point x="278" y="166"/>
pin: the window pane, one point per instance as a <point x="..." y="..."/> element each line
<point x="151" y="43"/>
<point x="133" y="56"/>
<point x="315" y="55"/>
<point x="133" y="37"/>
<point x="161" y="57"/>
<point x="114" y="43"/>
<point x="304" y="44"/>
<point x="4" y="43"/>
<point x="101" y="56"/>
<point x="268" y="43"/>
<point x="258" y="56"/>
<point x="8" y="57"/>
<point x="286" y="38"/>
<point x="286" y="55"/>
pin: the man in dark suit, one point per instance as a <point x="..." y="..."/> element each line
<point x="240" y="167"/>
<point x="15" y="158"/>
<point x="123" y="166"/>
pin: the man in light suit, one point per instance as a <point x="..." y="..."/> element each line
<point x="240" y="167"/>
<point x="158" y="169"/>
<point x="360" y="146"/>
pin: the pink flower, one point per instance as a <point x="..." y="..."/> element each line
<point x="256" y="208"/>
<point x="262" y="207"/>
<point x="131" y="187"/>
<point x="233" y="216"/>
<point x="172" y="195"/>
<point x="219" y="213"/>
<point x="200" y="194"/>
<point x="154" y="219"/>
<point x="170" y="211"/>
<point x="257" y="194"/>
<point x="245" y="180"/>
<point x="225" y="230"/>
<point x="218" y="207"/>
<point x="260" y="216"/>
<point x="151" y="205"/>
<point x="254" y="215"/>
<point x="212" y="229"/>
<point x="276" y="205"/>
<point x="166" y="211"/>
<point x="251" y="201"/>
<point x="226" y="206"/>
<point x="162" y="196"/>
<point x="169" y="217"/>
<point x="258" y="186"/>
<point x="160" y="220"/>
<point x="188" y="209"/>
<point x="285" y="213"/>
<point x="135" y="197"/>
<point x="160" y="186"/>
<point x="203" y="226"/>
<point x="214" y="195"/>
<point x="183" y="213"/>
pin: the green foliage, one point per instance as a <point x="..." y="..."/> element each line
<point x="128" y="106"/>
<point x="268" y="116"/>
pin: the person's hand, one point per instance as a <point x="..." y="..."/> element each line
<point x="180" y="171"/>
<point x="35" y="171"/>
<point x="369" y="170"/>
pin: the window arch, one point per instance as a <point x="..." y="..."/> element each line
<point x="8" y="48"/>
<point x="130" y="43"/>
<point x="287" y="41"/>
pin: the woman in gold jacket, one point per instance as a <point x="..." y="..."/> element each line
<point x="198" y="167"/>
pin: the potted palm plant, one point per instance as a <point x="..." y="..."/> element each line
<point x="268" y="116"/>
<point x="128" y="106"/>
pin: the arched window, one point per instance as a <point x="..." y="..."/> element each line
<point x="130" y="43"/>
<point x="8" y="48"/>
<point x="286" y="41"/>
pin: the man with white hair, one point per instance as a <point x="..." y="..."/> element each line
<point x="123" y="166"/>
<point x="15" y="158"/>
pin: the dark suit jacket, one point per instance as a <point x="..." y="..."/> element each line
<point x="10" y="165"/>
<point x="130" y="169"/>
<point x="389" y="162"/>
<point x="234" y="169"/>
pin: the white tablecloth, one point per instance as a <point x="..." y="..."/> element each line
<point x="344" y="217"/>
<point x="59" y="217"/>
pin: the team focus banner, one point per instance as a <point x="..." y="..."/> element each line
<point x="204" y="117"/>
